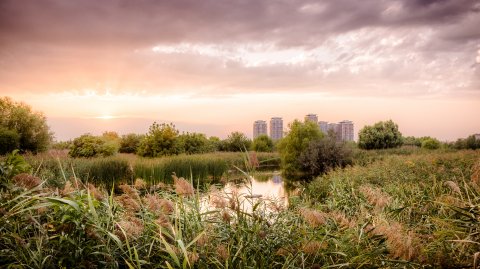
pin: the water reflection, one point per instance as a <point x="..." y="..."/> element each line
<point x="266" y="190"/>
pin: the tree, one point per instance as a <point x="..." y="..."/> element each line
<point x="88" y="146"/>
<point x="430" y="143"/>
<point x="294" y="143"/>
<point x="194" y="143"/>
<point x="161" y="139"/>
<point x="236" y="141"/>
<point x="324" y="154"/>
<point x="262" y="143"/>
<point x="381" y="135"/>
<point x="9" y="140"/>
<point x="31" y="127"/>
<point x="129" y="143"/>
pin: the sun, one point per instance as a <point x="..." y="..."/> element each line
<point x="106" y="117"/>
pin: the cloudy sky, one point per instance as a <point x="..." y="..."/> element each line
<point x="216" y="66"/>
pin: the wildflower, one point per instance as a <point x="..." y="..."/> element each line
<point x="225" y="216"/>
<point x="27" y="181"/>
<point x="163" y="221"/>
<point x="401" y="244"/>
<point x="158" y="205"/>
<point x="312" y="217"/>
<point x="140" y="184"/>
<point x="341" y="219"/>
<point x="132" y="228"/>
<point x="192" y="257"/>
<point x="218" y="201"/>
<point x="95" y="192"/>
<point x="182" y="187"/>
<point x="453" y="186"/>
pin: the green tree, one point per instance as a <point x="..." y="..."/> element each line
<point x="193" y="143"/>
<point x="236" y="141"/>
<point x="214" y="144"/>
<point x="32" y="129"/>
<point x="129" y="143"/>
<point x="381" y="135"/>
<point x="262" y="143"/>
<point x="430" y="143"/>
<point x="9" y="140"/>
<point x="294" y="143"/>
<point x="89" y="145"/>
<point x="161" y="139"/>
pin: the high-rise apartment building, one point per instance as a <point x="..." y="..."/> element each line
<point x="259" y="128"/>
<point x="312" y="118"/>
<point x="276" y="128"/>
<point x="345" y="130"/>
<point x="323" y="125"/>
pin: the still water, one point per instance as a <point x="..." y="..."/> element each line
<point x="267" y="191"/>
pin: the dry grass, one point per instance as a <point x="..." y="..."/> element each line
<point x="26" y="181"/>
<point x="313" y="217"/>
<point x="376" y="197"/>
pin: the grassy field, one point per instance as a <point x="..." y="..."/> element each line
<point x="406" y="210"/>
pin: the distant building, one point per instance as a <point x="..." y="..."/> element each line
<point x="323" y="125"/>
<point x="312" y="118"/>
<point x="259" y="128"/>
<point x="276" y="128"/>
<point x="332" y="126"/>
<point x="345" y="130"/>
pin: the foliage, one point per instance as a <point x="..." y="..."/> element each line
<point x="9" y="140"/>
<point x="381" y="135"/>
<point x="161" y="140"/>
<point x="262" y="143"/>
<point x="323" y="155"/>
<point x="12" y="165"/>
<point x="88" y="145"/>
<point x="467" y="143"/>
<point x="61" y="145"/>
<point x="129" y="143"/>
<point x="31" y="127"/>
<point x="294" y="144"/>
<point x="236" y="141"/>
<point x="431" y="143"/>
<point x="215" y="144"/>
<point x="194" y="143"/>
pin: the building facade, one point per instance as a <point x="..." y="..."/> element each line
<point x="276" y="128"/>
<point x="323" y="125"/>
<point x="312" y="118"/>
<point x="345" y="130"/>
<point x="259" y="128"/>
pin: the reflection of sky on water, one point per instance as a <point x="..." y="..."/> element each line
<point x="271" y="191"/>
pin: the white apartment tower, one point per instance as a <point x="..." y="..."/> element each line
<point x="276" y="128"/>
<point x="345" y="130"/>
<point x="323" y="125"/>
<point x="259" y="128"/>
<point x="312" y="118"/>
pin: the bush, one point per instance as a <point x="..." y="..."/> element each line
<point x="194" y="143"/>
<point x="161" y="140"/>
<point x="88" y="145"/>
<point x="381" y="135"/>
<point x="31" y="127"/>
<point x="236" y="141"/>
<point x="294" y="144"/>
<point x="431" y="143"/>
<point x="129" y="143"/>
<point x="262" y="143"/>
<point x="9" y="140"/>
<point x="323" y="155"/>
<point x="468" y="143"/>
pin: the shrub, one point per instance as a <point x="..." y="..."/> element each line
<point x="9" y="140"/>
<point x="161" y="140"/>
<point x="88" y="145"/>
<point x="381" y="135"/>
<point x="194" y="143"/>
<point x="129" y="143"/>
<point x="31" y="127"/>
<point x="322" y="155"/>
<point x="236" y="141"/>
<point x="431" y="143"/>
<point x="294" y="143"/>
<point x="262" y="143"/>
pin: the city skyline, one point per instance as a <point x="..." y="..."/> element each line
<point x="216" y="66"/>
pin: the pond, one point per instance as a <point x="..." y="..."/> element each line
<point x="266" y="190"/>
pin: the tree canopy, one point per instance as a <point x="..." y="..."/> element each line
<point x="381" y="135"/>
<point x="26" y="129"/>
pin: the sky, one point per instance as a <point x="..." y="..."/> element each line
<point x="215" y="66"/>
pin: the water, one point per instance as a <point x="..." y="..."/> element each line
<point x="267" y="190"/>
